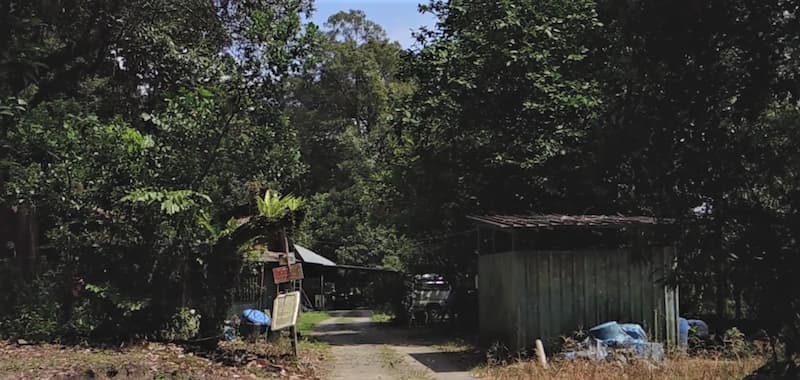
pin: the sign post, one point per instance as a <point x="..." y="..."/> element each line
<point x="285" y="310"/>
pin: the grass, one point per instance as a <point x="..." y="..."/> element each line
<point x="305" y="324"/>
<point x="683" y="368"/>
<point x="308" y="320"/>
<point x="382" y="317"/>
<point x="455" y="345"/>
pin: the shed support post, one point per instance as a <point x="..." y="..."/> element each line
<point x="478" y="242"/>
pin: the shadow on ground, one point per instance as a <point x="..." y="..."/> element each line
<point x="440" y="362"/>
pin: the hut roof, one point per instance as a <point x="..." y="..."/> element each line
<point x="547" y="221"/>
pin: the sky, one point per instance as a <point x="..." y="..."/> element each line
<point x="398" y="17"/>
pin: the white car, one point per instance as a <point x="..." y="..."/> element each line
<point x="429" y="297"/>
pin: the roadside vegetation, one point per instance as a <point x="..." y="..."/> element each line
<point x="156" y="361"/>
<point x="149" y="147"/>
<point x="382" y="317"/>
<point x="308" y="320"/>
<point x="682" y="368"/>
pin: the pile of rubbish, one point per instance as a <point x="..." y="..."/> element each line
<point x="617" y="341"/>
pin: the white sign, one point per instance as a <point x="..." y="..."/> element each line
<point x="285" y="310"/>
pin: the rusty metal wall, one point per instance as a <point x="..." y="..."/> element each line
<point x="525" y="295"/>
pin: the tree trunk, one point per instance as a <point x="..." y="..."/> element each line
<point x="721" y="294"/>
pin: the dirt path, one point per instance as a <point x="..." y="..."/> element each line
<point x="363" y="349"/>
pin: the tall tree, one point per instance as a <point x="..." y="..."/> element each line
<point x="504" y="100"/>
<point x="136" y="129"/>
<point x="342" y="111"/>
<point x="692" y="93"/>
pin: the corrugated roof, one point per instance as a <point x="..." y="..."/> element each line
<point x="558" y="220"/>
<point x="308" y="256"/>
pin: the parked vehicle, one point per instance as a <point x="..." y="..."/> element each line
<point x="429" y="296"/>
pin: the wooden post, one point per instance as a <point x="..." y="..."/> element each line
<point x="261" y="305"/>
<point x="322" y="290"/>
<point x="285" y="241"/>
<point x="294" y="337"/>
<point x="540" y="355"/>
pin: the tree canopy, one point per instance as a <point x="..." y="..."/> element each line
<point x="140" y="133"/>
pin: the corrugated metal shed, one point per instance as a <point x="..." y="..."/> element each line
<point x="530" y="293"/>
<point x="527" y="295"/>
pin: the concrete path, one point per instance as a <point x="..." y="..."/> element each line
<point x="363" y="349"/>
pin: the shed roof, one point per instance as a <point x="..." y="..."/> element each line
<point x="310" y="257"/>
<point x="558" y="220"/>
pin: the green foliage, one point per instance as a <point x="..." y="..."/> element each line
<point x="32" y="314"/>
<point x="343" y="111"/>
<point x="734" y="343"/>
<point x="141" y="131"/>
<point x="135" y="134"/>
<point x="171" y="202"/>
<point x="184" y="324"/>
<point x="505" y="99"/>
<point x="274" y="206"/>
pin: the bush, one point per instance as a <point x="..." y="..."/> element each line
<point x="734" y="343"/>
<point x="33" y="309"/>
<point x="184" y="324"/>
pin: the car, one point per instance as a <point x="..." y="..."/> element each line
<point x="429" y="296"/>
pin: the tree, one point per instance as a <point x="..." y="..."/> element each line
<point x="132" y="127"/>
<point x="693" y="97"/>
<point x="342" y="111"/>
<point x="504" y="100"/>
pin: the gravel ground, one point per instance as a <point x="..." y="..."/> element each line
<point x="363" y="349"/>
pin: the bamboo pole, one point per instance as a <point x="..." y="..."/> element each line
<point x="540" y="355"/>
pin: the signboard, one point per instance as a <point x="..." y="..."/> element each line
<point x="287" y="258"/>
<point x="280" y="274"/>
<point x="287" y="273"/>
<point x="285" y="310"/>
<point x="296" y="272"/>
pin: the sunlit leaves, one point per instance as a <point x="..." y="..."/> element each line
<point x="274" y="206"/>
<point x="169" y="201"/>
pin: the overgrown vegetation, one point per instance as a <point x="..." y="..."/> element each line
<point x="382" y="317"/>
<point x="678" y="369"/>
<point x="143" y="137"/>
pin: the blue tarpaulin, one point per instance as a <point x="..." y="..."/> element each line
<point x="614" y="338"/>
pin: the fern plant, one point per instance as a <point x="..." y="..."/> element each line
<point x="271" y="205"/>
<point x="274" y="206"/>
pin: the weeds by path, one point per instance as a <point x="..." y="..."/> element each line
<point x="682" y="368"/>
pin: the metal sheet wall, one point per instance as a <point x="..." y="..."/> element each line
<point x="525" y="295"/>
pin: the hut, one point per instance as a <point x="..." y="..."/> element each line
<point x="322" y="278"/>
<point x="544" y="276"/>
